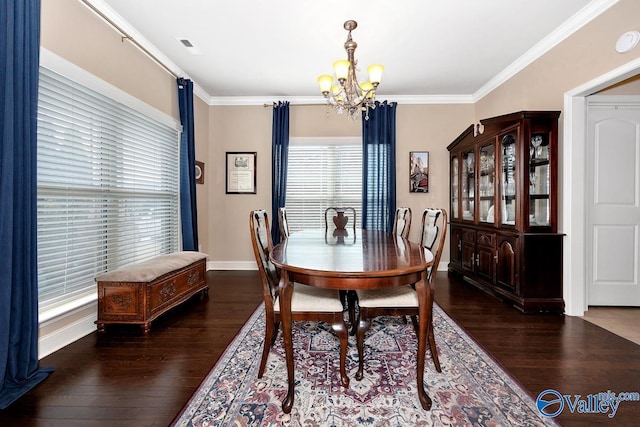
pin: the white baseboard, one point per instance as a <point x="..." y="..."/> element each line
<point x="232" y="265"/>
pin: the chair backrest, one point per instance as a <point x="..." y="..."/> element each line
<point x="402" y="222"/>
<point x="432" y="235"/>
<point x="262" y="247"/>
<point x="331" y="212"/>
<point x="283" y="222"/>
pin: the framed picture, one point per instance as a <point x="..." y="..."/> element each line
<point x="419" y="172"/>
<point x="241" y="172"/>
<point x="199" y="172"/>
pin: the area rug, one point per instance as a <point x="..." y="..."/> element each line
<point x="472" y="389"/>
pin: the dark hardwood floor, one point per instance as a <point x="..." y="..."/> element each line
<point x="122" y="378"/>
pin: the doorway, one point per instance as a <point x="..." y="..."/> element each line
<point x="612" y="200"/>
<point x="573" y="159"/>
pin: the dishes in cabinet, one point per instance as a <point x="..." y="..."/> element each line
<point x="490" y="214"/>
<point x="539" y="147"/>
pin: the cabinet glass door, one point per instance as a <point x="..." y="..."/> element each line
<point x="468" y="185"/>
<point x="508" y="185"/>
<point x="539" y="187"/>
<point x="455" y="196"/>
<point x="486" y="185"/>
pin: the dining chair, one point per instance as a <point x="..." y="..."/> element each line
<point x="308" y="303"/>
<point x="337" y="225"/>
<point x="402" y="222"/>
<point x="403" y="300"/>
<point x="283" y="222"/>
<point x="339" y="218"/>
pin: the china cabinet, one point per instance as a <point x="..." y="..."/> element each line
<point x="504" y="200"/>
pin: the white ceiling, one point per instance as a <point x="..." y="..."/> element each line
<point x="254" y="51"/>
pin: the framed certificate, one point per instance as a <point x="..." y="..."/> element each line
<point x="241" y="172"/>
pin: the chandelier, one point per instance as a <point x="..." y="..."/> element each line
<point x="347" y="95"/>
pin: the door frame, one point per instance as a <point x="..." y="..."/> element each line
<point x="573" y="163"/>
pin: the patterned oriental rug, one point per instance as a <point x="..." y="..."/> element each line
<point x="472" y="389"/>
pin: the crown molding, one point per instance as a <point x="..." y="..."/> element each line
<point x="430" y="99"/>
<point x="263" y="100"/>
<point x="319" y="100"/>
<point x="577" y="21"/>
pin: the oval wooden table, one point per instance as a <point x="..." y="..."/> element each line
<point x="367" y="260"/>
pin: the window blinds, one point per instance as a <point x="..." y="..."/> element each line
<point x="108" y="188"/>
<point x="321" y="173"/>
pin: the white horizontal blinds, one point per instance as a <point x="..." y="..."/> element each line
<point x="107" y="188"/>
<point x="322" y="173"/>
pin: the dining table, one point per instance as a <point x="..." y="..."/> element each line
<point x="351" y="260"/>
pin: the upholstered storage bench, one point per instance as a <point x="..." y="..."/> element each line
<point x="139" y="293"/>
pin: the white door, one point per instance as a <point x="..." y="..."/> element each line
<point x="613" y="201"/>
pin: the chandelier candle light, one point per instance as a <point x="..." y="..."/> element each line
<point x="348" y="95"/>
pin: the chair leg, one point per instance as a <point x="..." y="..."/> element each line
<point x="341" y="330"/>
<point x="432" y="342"/>
<point x="269" y="338"/>
<point x="432" y="345"/>
<point x="363" y="325"/>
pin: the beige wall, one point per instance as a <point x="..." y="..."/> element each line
<point x="583" y="56"/>
<point x="629" y="86"/>
<point x="427" y="128"/>
<point x="419" y="128"/>
<point x="72" y="31"/>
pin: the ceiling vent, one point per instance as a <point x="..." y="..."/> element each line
<point x="190" y="47"/>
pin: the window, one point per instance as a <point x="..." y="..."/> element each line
<point x="322" y="172"/>
<point x="108" y="188"/>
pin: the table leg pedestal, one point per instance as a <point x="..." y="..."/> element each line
<point x="424" y="300"/>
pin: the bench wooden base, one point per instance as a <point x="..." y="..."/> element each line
<point x="141" y="302"/>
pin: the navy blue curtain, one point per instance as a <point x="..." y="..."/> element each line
<point x="279" y="156"/>
<point x="188" y="210"/>
<point x="379" y="167"/>
<point x="19" y="61"/>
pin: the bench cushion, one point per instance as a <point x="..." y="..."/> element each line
<point x="149" y="270"/>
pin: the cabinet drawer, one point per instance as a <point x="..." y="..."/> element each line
<point x="468" y="235"/>
<point x="486" y="239"/>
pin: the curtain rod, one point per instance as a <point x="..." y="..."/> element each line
<point x="265" y="105"/>
<point x="126" y="36"/>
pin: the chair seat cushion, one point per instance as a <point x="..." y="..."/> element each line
<point x="310" y="298"/>
<point x="401" y="296"/>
